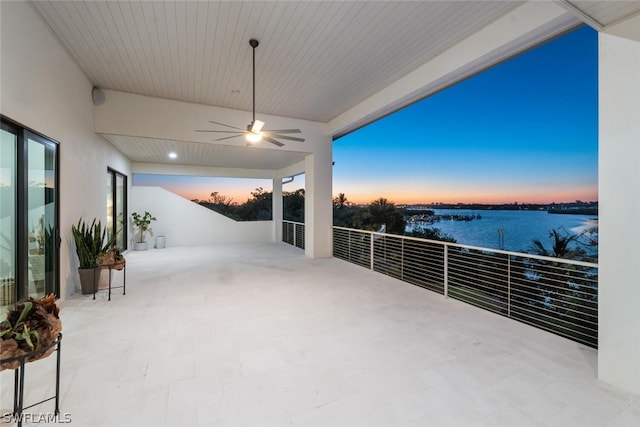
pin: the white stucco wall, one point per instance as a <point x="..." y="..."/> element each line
<point x="619" y="188"/>
<point x="43" y="89"/>
<point x="185" y="223"/>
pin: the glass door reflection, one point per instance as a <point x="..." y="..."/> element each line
<point x="8" y="204"/>
<point x="41" y="216"/>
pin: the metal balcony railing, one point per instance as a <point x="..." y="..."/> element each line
<point x="293" y="233"/>
<point x="558" y="295"/>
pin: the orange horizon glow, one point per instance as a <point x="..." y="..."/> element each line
<point x="587" y="195"/>
<point x="399" y="193"/>
<point x="241" y="195"/>
<point x="487" y="197"/>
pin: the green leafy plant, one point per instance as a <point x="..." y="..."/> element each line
<point x="91" y="241"/>
<point x="49" y="248"/>
<point x="20" y="330"/>
<point x="142" y="222"/>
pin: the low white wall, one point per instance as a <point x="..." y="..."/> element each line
<point x="185" y="223"/>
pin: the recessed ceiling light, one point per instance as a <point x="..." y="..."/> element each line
<point x="173" y="155"/>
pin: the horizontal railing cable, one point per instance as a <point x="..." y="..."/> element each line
<point x="293" y="233"/>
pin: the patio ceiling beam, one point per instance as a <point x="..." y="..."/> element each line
<point x="186" y="170"/>
<point x="126" y="114"/>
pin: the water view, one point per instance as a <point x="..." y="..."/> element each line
<point x="520" y="228"/>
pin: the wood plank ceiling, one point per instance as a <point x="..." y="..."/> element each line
<point x="316" y="59"/>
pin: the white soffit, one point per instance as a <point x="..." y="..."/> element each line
<point x="604" y="13"/>
<point x="150" y="150"/>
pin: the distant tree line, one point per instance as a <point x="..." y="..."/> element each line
<point x="381" y="212"/>
<point x="258" y="207"/>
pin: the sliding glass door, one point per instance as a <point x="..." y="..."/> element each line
<point x="41" y="215"/>
<point x="8" y="223"/>
<point x="117" y="207"/>
<point x="29" y="233"/>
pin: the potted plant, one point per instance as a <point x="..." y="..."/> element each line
<point x="91" y="242"/>
<point x="142" y="222"/>
<point x="111" y="259"/>
<point x="32" y="325"/>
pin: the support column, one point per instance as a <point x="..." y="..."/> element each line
<point x="619" y="197"/>
<point x="318" y="208"/>
<point x="277" y="209"/>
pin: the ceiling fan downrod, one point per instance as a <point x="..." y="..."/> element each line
<point x="254" y="44"/>
<point x="253" y="132"/>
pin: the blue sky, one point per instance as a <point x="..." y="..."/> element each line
<point x="523" y="131"/>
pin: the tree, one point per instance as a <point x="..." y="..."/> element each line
<point x="220" y="199"/>
<point x="560" y="247"/>
<point x="431" y="234"/>
<point x="384" y="212"/>
<point x="293" y="205"/>
<point x="258" y="208"/>
<point x="340" y="202"/>
<point x="221" y="204"/>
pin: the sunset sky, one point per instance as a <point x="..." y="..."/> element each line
<point x="523" y="131"/>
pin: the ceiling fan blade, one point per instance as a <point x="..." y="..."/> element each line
<point x="219" y="131"/>
<point x="290" y="138"/>
<point x="283" y="131"/>
<point x="273" y="141"/>
<point x="229" y="126"/>
<point x="228" y="137"/>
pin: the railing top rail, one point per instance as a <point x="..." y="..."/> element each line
<point x="477" y="248"/>
<point x="293" y="222"/>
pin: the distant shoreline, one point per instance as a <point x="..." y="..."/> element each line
<point x="567" y="208"/>
<point x="576" y="211"/>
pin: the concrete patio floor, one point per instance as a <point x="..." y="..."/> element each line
<point x="260" y="335"/>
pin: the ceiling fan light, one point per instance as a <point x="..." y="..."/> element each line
<point x="253" y="137"/>
<point x="257" y="126"/>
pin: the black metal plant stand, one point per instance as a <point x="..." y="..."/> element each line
<point x="18" y="386"/>
<point x="110" y="267"/>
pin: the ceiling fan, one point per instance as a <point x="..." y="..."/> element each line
<point x="255" y="132"/>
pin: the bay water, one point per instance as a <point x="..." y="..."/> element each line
<point x="520" y="228"/>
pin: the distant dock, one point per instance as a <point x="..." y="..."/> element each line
<point x="433" y="218"/>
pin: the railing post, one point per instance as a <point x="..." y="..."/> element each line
<point x="446" y="271"/>
<point x="402" y="260"/>
<point x="508" y="285"/>
<point x="285" y="232"/>
<point x="294" y="234"/>
<point x="371" y="249"/>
